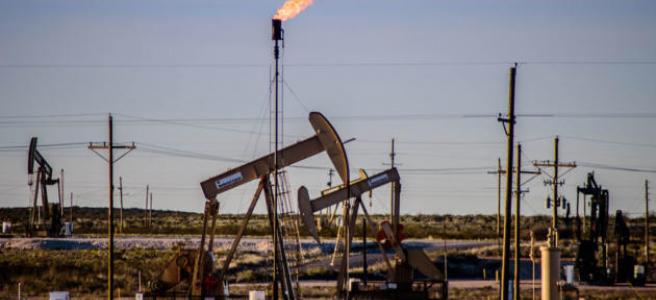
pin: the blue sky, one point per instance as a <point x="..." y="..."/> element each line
<point x="352" y="61"/>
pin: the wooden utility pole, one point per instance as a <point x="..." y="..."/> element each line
<point x="517" y="222"/>
<point x="646" y="224"/>
<point x="62" y="195"/>
<point x="110" y="146"/>
<point x="499" y="204"/>
<point x="146" y="207"/>
<point x="71" y="209"/>
<point x="510" y="120"/>
<point x="554" y="217"/>
<point x="393" y="202"/>
<point x="150" y="212"/>
<point x="365" y="263"/>
<point x="120" y="189"/>
<point x="553" y="232"/>
<point x="498" y="172"/>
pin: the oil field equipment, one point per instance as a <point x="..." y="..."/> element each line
<point x="624" y="262"/>
<point x="201" y="279"/>
<point x="406" y="261"/>
<point x="592" y="233"/>
<point x="46" y="219"/>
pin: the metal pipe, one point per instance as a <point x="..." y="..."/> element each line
<point x="110" y="215"/>
<point x="276" y="36"/>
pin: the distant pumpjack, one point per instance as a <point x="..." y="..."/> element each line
<point x="593" y="238"/>
<point x="47" y="217"/>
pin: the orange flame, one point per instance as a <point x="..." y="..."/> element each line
<point x="291" y="9"/>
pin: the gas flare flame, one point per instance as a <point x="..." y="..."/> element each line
<point x="291" y="9"/>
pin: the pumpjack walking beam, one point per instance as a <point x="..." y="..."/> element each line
<point x="325" y="139"/>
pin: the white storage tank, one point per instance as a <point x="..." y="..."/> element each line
<point x="68" y="229"/>
<point x="256" y="295"/>
<point x="59" y="296"/>
<point x="6" y="227"/>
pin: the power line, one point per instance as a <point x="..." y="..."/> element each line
<point x="326" y="64"/>
<point x="615" y="168"/>
<point x="52" y="116"/>
<point x="18" y="148"/>
<point x="609" y="142"/>
<point x="380" y="117"/>
<point x="132" y="66"/>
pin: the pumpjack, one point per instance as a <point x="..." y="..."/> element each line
<point x="592" y="237"/>
<point x="624" y="262"/>
<point x="47" y="218"/>
<point x="401" y="268"/>
<point x="193" y="269"/>
<point x="592" y="259"/>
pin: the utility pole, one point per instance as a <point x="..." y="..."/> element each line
<point x="554" y="217"/>
<point x="365" y="264"/>
<point x="550" y="254"/>
<point x="517" y="222"/>
<point x="61" y="193"/>
<point x="150" y="212"/>
<point x="120" y="189"/>
<point x="499" y="204"/>
<point x="508" y="204"/>
<point x="71" y="209"/>
<point x="393" y="200"/>
<point x="146" y="207"/>
<point x="646" y="224"/>
<point x="555" y="182"/>
<point x="110" y="146"/>
<point x="498" y="172"/>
